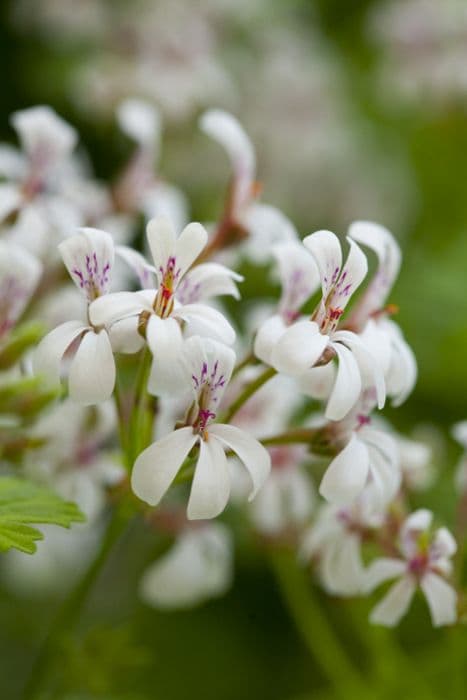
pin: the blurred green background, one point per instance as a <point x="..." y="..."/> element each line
<point x="407" y="151"/>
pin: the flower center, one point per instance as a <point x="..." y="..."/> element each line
<point x="164" y="301"/>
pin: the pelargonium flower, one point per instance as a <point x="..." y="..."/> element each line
<point x="157" y="312"/>
<point x="208" y="368"/>
<point x="89" y="258"/>
<point x="198" y="567"/>
<point x="308" y="342"/>
<point x="425" y="564"/>
<point x="19" y="276"/>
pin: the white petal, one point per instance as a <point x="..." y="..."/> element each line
<point x="124" y="336"/>
<point x="298" y="274"/>
<point x="341" y="565"/>
<point x="89" y="258"/>
<point x="402" y="374"/>
<point x="347" y="387"/>
<point x="267" y="336"/>
<point x="114" y="307"/>
<point x="204" y="320"/>
<point x="326" y="249"/>
<point x="383" y="569"/>
<point x="420" y="519"/>
<point x="395" y="603"/>
<point x="140" y="120"/>
<point x="444" y="544"/>
<point x="10" y="199"/>
<point x="441" y="599"/>
<point x="48" y="355"/>
<point x="161" y="238"/>
<point x="253" y="455"/>
<point x="157" y="466"/>
<point x="299" y="348"/>
<point x="318" y="382"/>
<point x="226" y="130"/>
<point x="353" y="273"/>
<point x="145" y="272"/>
<point x="189" y="245"/>
<point x="370" y="369"/>
<point x="204" y="360"/>
<point x="267" y="226"/>
<point x="43" y="134"/>
<point x="346" y="476"/>
<point x="211" y="483"/>
<point x="459" y="433"/>
<point x="165" y="341"/>
<point x="92" y="371"/>
<point x="208" y="280"/>
<point x="20" y="273"/>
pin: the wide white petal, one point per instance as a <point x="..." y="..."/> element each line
<point x="157" y="466"/>
<point x="251" y="452"/>
<point x="43" y="134"/>
<point x="383" y="569"/>
<point x="326" y="249"/>
<point x="347" y="387"/>
<point x="210" y="489"/>
<point x="206" y="360"/>
<point x="47" y="358"/>
<point x="346" y="476"/>
<point x="114" y="307"/>
<point x="318" y="381"/>
<point x="395" y="603"/>
<point x="161" y="238"/>
<point x="444" y="544"/>
<point x="204" y="320"/>
<point x="441" y="599"/>
<point x="89" y="258"/>
<point x="208" y="280"/>
<point x="124" y="335"/>
<point x="341" y="565"/>
<point x="298" y="274"/>
<point x="267" y="336"/>
<point x="189" y="245"/>
<point x="299" y="348"/>
<point x="165" y="341"/>
<point x="92" y="371"/>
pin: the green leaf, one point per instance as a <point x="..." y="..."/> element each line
<point x="22" y="503"/>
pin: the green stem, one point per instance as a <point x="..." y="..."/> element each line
<point x="70" y="610"/>
<point x="142" y="415"/>
<point x="318" y="635"/>
<point x="249" y="390"/>
<point x="294" y="436"/>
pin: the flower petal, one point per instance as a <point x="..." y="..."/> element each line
<point x="346" y="476"/>
<point x="210" y="490"/>
<point x="161" y="238"/>
<point x="352" y="275"/>
<point x="267" y="336"/>
<point x="140" y="120"/>
<point x="204" y="320"/>
<point x="189" y="245"/>
<point x="208" y="280"/>
<point x="326" y="249"/>
<point x="347" y="387"/>
<point x="441" y="599"/>
<point x="370" y="369"/>
<point x="395" y="603"/>
<point x="114" y="307"/>
<point x="89" y="258"/>
<point x="48" y="355"/>
<point x="299" y="348"/>
<point x="157" y="466"/>
<point x="381" y="570"/>
<point x="164" y="338"/>
<point x="92" y="371"/>
<point x="298" y="274"/>
<point x="254" y="456"/>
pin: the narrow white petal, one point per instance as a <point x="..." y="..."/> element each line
<point x="382" y="570"/>
<point x="208" y="280"/>
<point x="267" y="226"/>
<point x="346" y="476"/>
<point x="92" y="371"/>
<point x="157" y="466"/>
<point x="298" y="274"/>
<point x="124" y="336"/>
<point x="140" y="120"/>
<point x="251" y="452"/>
<point x="326" y="249"/>
<point x="165" y="341"/>
<point x="444" y="544"/>
<point x="299" y="348"/>
<point x="370" y="369"/>
<point x="395" y="603"/>
<point x="441" y="599"/>
<point x="210" y="490"/>
<point x="347" y="387"/>
<point x="145" y="272"/>
<point x="204" y="320"/>
<point x="48" y="355"/>
<point x="10" y="199"/>
<point x="267" y="336"/>
<point x="353" y="273"/>
<point x="161" y="238"/>
<point x="114" y="307"/>
<point x="402" y="374"/>
<point x="189" y="245"/>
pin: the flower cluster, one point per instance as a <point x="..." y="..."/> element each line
<point x="261" y="419"/>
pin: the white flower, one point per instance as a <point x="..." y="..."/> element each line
<point x="335" y="539"/>
<point x="459" y="433"/>
<point x="209" y="367"/>
<point x="297" y="349"/>
<point x="19" y="276"/>
<point x="89" y="257"/>
<point x="159" y="309"/>
<point x="426" y="563"/>
<point x="198" y="567"/>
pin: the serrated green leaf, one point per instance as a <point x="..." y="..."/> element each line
<point x="22" y="503"/>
